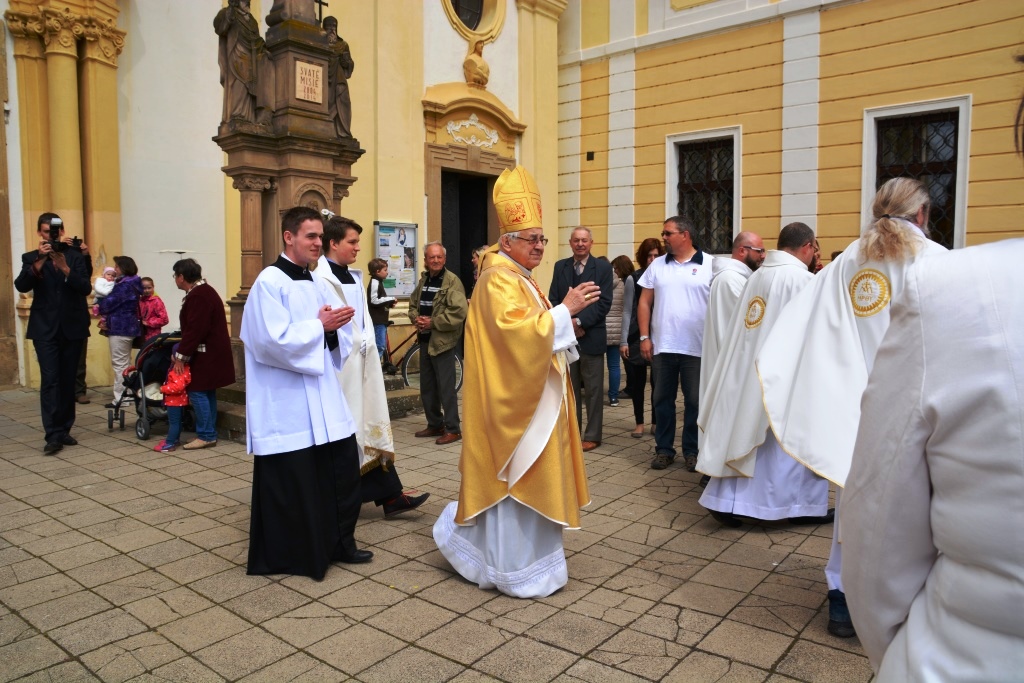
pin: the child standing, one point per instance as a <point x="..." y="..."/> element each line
<point x="380" y="302"/>
<point x="152" y="311"/>
<point x="175" y="400"/>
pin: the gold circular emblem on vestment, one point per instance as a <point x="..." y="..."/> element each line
<point x="755" y="312"/>
<point x="869" y="292"/>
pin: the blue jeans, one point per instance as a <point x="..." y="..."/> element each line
<point x="380" y="334"/>
<point x="174" y="414"/>
<point x="204" y="403"/>
<point x="614" y="372"/>
<point x="672" y="370"/>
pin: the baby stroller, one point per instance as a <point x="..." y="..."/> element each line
<point x="142" y="383"/>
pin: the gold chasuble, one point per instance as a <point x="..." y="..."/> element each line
<point x="520" y="436"/>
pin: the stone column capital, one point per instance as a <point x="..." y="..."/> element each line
<point x="251" y="182"/>
<point x="549" y="8"/>
<point x="103" y="40"/>
<point x="61" y="31"/>
<point x="27" y="30"/>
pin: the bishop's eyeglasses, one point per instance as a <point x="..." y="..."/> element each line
<point x="532" y="241"/>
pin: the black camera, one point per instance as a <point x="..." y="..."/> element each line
<point x="56" y="225"/>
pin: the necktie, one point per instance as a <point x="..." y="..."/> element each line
<point x="579" y="268"/>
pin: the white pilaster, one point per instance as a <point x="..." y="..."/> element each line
<point x="621" y="149"/>
<point x="800" y="70"/>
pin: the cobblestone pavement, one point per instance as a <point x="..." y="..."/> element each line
<point x="118" y="563"/>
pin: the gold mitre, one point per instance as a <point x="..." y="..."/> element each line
<point x="517" y="201"/>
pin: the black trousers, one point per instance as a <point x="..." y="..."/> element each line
<point x="58" y="365"/>
<point x="636" y="376"/>
<point x="305" y="505"/>
<point x="380" y="485"/>
<point x="80" y="385"/>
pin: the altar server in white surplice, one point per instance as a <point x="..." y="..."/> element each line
<point x="728" y="278"/>
<point x="305" y="488"/>
<point x="932" y="510"/>
<point x="750" y="475"/>
<point x="362" y="379"/>
<point x="815" y="363"/>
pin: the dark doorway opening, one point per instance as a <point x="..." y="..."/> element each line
<point x="463" y="221"/>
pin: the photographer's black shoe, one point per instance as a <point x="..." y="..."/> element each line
<point x="53" y="448"/>
<point x="68" y="440"/>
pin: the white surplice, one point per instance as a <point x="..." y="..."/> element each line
<point x="728" y="277"/>
<point x="736" y="442"/>
<point x="361" y="378"/>
<point x="932" y="511"/>
<point x="292" y="398"/>
<point x="510" y="546"/>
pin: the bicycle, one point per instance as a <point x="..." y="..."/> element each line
<point x="410" y="362"/>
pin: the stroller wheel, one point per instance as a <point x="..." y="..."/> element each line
<point x="142" y="428"/>
<point x="121" y="419"/>
<point x="110" y="420"/>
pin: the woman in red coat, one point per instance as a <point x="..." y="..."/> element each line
<point x="205" y="346"/>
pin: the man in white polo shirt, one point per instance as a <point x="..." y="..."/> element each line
<point x="671" y="312"/>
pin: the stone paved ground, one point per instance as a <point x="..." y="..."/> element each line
<point x="118" y="563"/>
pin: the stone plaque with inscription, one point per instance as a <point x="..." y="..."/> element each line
<point x="309" y="82"/>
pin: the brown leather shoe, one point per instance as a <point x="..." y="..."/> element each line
<point x="430" y="431"/>
<point x="590" y="445"/>
<point x="83" y="399"/>
<point x="449" y="437"/>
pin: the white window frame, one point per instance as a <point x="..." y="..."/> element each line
<point x="869" y="167"/>
<point x="672" y="143"/>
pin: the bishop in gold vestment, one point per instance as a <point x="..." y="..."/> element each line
<point x="523" y="477"/>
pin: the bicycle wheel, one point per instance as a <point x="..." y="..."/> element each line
<point x="411" y="367"/>
<point x="458" y="372"/>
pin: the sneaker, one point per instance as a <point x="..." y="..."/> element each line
<point x="614" y="403"/>
<point x="690" y="462"/>
<point x="661" y="461"/>
<point x="839" y="623"/>
<point x="164" y="447"/>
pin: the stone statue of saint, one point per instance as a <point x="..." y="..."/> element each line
<point x="241" y="49"/>
<point x="339" y="70"/>
<point x="474" y="68"/>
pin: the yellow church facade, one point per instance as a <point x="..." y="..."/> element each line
<point x="750" y="115"/>
<point x="112" y="106"/>
<point x="745" y="114"/>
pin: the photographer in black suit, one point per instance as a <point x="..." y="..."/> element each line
<point x="58" y="277"/>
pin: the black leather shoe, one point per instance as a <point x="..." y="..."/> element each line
<point x="403" y="503"/>
<point x="827" y="518"/>
<point x="68" y="440"/>
<point x="53" y="448"/>
<point x="726" y="519"/>
<point x="357" y="557"/>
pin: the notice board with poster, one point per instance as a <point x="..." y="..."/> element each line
<point x="396" y="244"/>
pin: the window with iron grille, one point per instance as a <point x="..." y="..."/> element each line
<point x="706" y="188"/>
<point x="924" y="146"/>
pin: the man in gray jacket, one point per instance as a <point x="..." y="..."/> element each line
<point x="438" y="308"/>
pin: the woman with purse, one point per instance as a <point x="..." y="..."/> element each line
<point x="629" y="345"/>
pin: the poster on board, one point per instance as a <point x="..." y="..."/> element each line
<point x="396" y="244"/>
